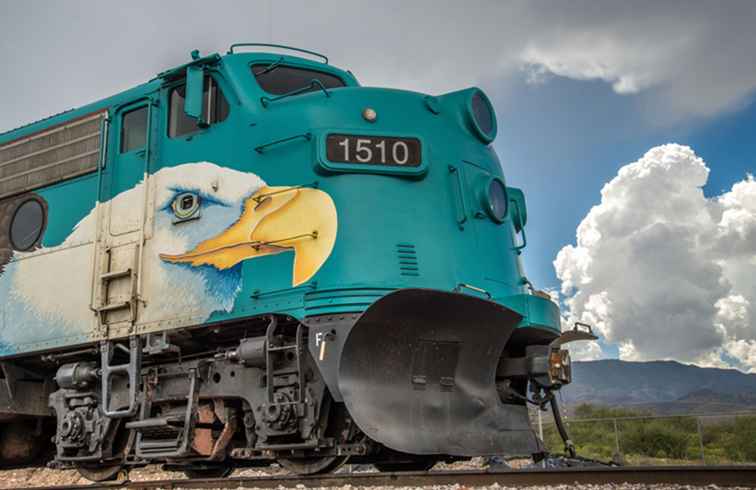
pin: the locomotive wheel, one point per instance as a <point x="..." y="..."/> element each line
<point x="313" y="465"/>
<point x="100" y="473"/>
<point x="107" y="472"/>
<point x="211" y="472"/>
<point x="394" y="466"/>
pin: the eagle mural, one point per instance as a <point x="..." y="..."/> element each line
<point x="208" y="219"/>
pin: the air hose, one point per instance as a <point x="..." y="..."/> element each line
<point x="569" y="447"/>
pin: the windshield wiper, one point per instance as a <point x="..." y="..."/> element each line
<point x="314" y="84"/>
<point x="270" y="67"/>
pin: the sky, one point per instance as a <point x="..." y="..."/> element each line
<point x="629" y="125"/>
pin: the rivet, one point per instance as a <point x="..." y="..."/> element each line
<point x="369" y="114"/>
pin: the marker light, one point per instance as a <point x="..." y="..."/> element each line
<point x="496" y="200"/>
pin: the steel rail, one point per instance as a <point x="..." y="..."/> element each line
<point x="723" y="476"/>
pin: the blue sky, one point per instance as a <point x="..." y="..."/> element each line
<point x="562" y="140"/>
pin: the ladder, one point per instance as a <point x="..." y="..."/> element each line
<point x="167" y="436"/>
<point x="104" y="303"/>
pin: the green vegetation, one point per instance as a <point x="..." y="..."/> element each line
<point x="639" y="438"/>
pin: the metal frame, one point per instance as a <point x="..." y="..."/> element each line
<point x="277" y="46"/>
<point x="132" y="370"/>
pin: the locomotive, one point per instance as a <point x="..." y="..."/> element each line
<point x="253" y="259"/>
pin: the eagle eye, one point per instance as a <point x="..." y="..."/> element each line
<point x="186" y="206"/>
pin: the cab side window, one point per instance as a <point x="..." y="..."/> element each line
<point x="214" y="109"/>
<point x="134" y="130"/>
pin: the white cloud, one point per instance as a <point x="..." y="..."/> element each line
<point x="663" y="271"/>
<point x="687" y="58"/>
<point x="585" y="350"/>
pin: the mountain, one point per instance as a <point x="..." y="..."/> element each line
<point x="660" y="386"/>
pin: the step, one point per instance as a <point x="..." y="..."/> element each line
<point x="114" y="307"/>
<point x="109" y="276"/>
<point x="158" y="444"/>
<point x="171" y="421"/>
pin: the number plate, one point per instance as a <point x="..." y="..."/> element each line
<point x="373" y="150"/>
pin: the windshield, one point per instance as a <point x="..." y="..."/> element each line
<point x="281" y="79"/>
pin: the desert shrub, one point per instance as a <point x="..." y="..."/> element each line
<point x="730" y="439"/>
<point x="741" y="445"/>
<point x="726" y="439"/>
<point x="660" y="438"/>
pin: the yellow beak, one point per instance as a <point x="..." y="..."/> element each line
<point x="274" y="220"/>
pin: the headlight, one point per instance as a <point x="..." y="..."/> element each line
<point x="496" y="200"/>
<point x="560" y="367"/>
<point x="482" y="115"/>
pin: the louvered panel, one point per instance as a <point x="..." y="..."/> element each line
<point x="56" y="154"/>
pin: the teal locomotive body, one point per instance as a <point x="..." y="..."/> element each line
<point x="252" y="257"/>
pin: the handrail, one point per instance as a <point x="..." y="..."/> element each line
<point x="257" y="293"/>
<point x="145" y="203"/>
<point x="104" y="128"/>
<point x="104" y="141"/>
<point x="463" y="285"/>
<point x="518" y="248"/>
<point x="265" y="101"/>
<point x="460" y="220"/>
<point x="260" y="149"/>
<point x="278" y="46"/>
<point x="262" y="197"/>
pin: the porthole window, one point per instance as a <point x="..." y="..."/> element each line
<point x="27" y="225"/>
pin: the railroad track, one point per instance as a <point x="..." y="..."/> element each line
<point x="723" y="476"/>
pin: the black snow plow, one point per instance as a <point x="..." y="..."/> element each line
<point x="418" y="374"/>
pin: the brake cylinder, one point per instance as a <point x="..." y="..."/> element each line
<point x="250" y="352"/>
<point x="77" y="375"/>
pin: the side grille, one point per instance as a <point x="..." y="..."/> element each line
<point x="64" y="151"/>
<point x="407" y="258"/>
